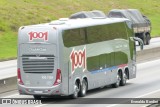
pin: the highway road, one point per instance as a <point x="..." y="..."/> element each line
<point x="146" y="85"/>
<point x="8" y="68"/>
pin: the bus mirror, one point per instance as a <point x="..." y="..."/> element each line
<point x="140" y="41"/>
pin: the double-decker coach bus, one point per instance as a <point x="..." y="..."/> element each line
<point x="69" y="57"/>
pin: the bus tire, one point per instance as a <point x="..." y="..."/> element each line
<point x="116" y="85"/>
<point x="144" y="39"/>
<point x="76" y="90"/>
<point x="37" y="97"/>
<point x="83" y="88"/>
<point x="148" y="39"/>
<point x="123" y="79"/>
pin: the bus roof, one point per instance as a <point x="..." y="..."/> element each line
<point x="78" y="23"/>
<point x="65" y="23"/>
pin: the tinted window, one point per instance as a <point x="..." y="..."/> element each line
<point x="97" y="33"/>
<point x="94" y="34"/>
<point x="74" y="37"/>
<point x="106" y="32"/>
<point x="93" y="63"/>
<point x="106" y="60"/>
<point x="121" y="31"/>
<point x="121" y="58"/>
<point x="102" y="61"/>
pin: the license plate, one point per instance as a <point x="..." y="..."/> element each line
<point x="38" y="92"/>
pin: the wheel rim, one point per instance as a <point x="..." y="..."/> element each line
<point x="76" y="90"/>
<point x="148" y="40"/>
<point x="144" y="40"/>
<point x="118" y="80"/>
<point x="124" y="78"/>
<point x="84" y="88"/>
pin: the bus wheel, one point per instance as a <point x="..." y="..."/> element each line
<point x="115" y="85"/>
<point x="148" y="39"/>
<point x="123" y="79"/>
<point x="76" y="90"/>
<point x="37" y="97"/>
<point x="144" y="39"/>
<point x="83" y="88"/>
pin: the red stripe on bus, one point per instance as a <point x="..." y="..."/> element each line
<point x="121" y="66"/>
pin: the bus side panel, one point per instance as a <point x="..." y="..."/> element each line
<point x="104" y="54"/>
<point x="76" y="68"/>
<point x="100" y="57"/>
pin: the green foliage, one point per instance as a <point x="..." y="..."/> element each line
<point x="8" y="45"/>
<point x="16" y="13"/>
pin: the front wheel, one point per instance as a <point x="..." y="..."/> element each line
<point x="83" y="88"/>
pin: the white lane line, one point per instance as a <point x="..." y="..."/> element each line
<point x="45" y="104"/>
<point x="152" y="61"/>
<point x="148" y="93"/>
<point x="41" y="105"/>
<point x="112" y="105"/>
<point x="137" y="97"/>
<point x="10" y="96"/>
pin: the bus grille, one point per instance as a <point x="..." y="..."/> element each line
<point x="38" y="64"/>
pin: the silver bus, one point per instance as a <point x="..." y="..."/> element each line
<point x="67" y="57"/>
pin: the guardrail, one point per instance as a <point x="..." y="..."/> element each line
<point x="8" y="84"/>
<point x="148" y="54"/>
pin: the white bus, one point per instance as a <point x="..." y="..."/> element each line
<point x="69" y="57"/>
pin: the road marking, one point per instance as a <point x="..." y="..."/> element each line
<point x="157" y="60"/>
<point x="9" y="96"/>
<point x="112" y="105"/>
<point x="148" y="93"/>
<point x="137" y="97"/>
<point x="44" y="104"/>
<point x="41" y="105"/>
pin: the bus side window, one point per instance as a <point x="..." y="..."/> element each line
<point x="74" y="37"/>
<point x="112" y="55"/>
<point x="97" y="33"/>
<point x="102" y="61"/>
<point x="120" y="58"/>
<point x="108" y="60"/>
<point x="93" y="63"/>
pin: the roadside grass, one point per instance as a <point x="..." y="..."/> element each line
<point x="155" y="25"/>
<point x="8" y="46"/>
<point x="16" y="13"/>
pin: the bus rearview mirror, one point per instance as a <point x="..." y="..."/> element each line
<point x="139" y="40"/>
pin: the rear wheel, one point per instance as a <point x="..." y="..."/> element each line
<point x="144" y="39"/>
<point x="148" y="39"/>
<point x="115" y="85"/>
<point x="83" y="88"/>
<point x="123" y="79"/>
<point x="76" y="90"/>
<point x="37" y="97"/>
